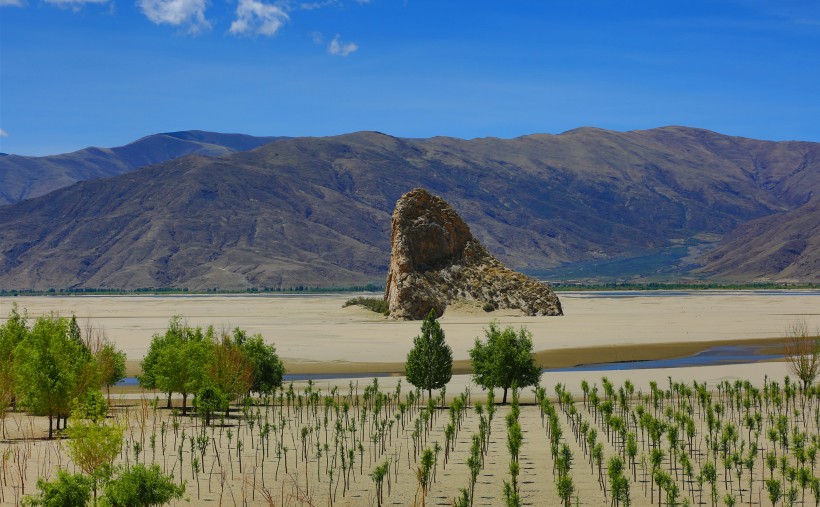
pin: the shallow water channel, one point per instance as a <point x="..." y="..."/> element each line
<point x="713" y="356"/>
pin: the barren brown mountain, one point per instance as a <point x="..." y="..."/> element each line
<point x="316" y="211"/>
<point x="778" y="247"/>
<point x="25" y="177"/>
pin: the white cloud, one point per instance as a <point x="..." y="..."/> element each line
<point x="74" y="3"/>
<point x="317" y="37"/>
<point x="190" y="13"/>
<point x="11" y="3"/>
<point x="3" y="133"/>
<point x="258" y="18"/>
<point x="337" y="47"/>
<point x="309" y="6"/>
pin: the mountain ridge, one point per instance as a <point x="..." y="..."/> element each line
<point x="23" y="177"/>
<point x="316" y="211"/>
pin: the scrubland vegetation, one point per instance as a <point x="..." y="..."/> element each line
<point x="375" y="304"/>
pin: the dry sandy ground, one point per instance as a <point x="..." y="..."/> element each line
<point x="307" y="482"/>
<point x="314" y="333"/>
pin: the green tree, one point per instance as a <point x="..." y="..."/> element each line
<point x="430" y="362"/>
<point x="208" y="400"/>
<point x="176" y="360"/>
<point x="91" y="406"/>
<point x="49" y="368"/>
<point x="505" y="360"/>
<point x="11" y="334"/>
<point x="268" y="369"/>
<point x="775" y="490"/>
<point x="150" y="363"/>
<point x="93" y="445"/>
<point x="565" y="489"/>
<point x="228" y="369"/>
<point x="110" y="365"/>
<point x="141" y="486"/>
<point x="68" y="490"/>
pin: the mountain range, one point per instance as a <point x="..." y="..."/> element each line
<point x="316" y="211"/>
<point x="25" y="177"/>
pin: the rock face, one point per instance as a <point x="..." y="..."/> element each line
<point x="435" y="260"/>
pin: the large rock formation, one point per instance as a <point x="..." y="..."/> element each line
<point x="435" y="260"/>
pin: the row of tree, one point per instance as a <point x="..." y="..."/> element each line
<point x="46" y="367"/>
<point x="503" y="361"/>
<point x="216" y="367"/>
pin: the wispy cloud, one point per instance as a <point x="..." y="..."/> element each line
<point x="258" y="18"/>
<point x="3" y="133"/>
<point x="309" y="6"/>
<point x="11" y="3"/>
<point x="339" y="48"/>
<point x="317" y="37"/>
<point x="187" y="13"/>
<point x="74" y="3"/>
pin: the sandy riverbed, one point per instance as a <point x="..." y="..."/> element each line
<point x="315" y="334"/>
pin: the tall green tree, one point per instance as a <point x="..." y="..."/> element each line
<point x="110" y="365"/>
<point x="177" y="359"/>
<point x="93" y="443"/>
<point x="430" y="362"/>
<point x="228" y="369"/>
<point x="268" y="369"/>
<point x="505" y="359"/>
<point x="11" y="334"/>
<point x="49" y="368"/>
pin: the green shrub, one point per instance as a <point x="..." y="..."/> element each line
<point x="378" y="305"/>
<point x="68" y="490"/>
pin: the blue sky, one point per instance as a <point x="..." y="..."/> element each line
<point x="76" y="73"/>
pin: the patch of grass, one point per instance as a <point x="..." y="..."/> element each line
<point x="378" y="305"/>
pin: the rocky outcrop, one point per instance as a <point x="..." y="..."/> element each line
<point x="435" y="260"/>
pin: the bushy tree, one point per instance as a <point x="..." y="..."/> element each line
<point x="68" y="490"/>
<point x="268" y="369"/>
<point x="430" y="362"/>
<point x="50" y="368"/>
<point x="505" y="359"/>
<point x="228" y="369"/>
<point x="176" y="360"/>
<point x="93" y="444"/>
<point x="92" y="405"/>
<point x="110" y="365"/>
<point x="208" y="400"/>
<point x="141" y="486"/>
<point x="11" y="334"/>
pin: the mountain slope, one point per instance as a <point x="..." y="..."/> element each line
<point x="782" y="246"/>
<point x="316" y="211"/>
<point x="25" y="177"/>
